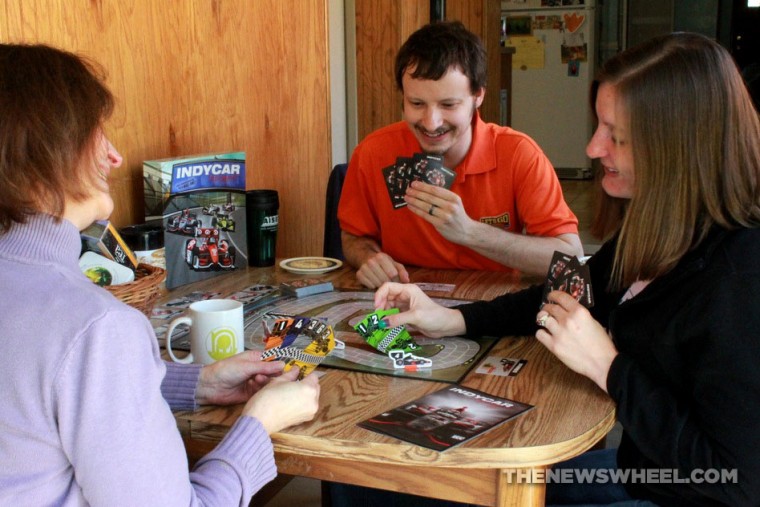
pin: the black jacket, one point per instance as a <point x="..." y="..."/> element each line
<point x="687" y="379"/>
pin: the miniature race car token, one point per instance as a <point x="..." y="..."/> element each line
<point x="403" y="359"/>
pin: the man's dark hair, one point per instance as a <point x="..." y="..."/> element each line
<point x="436" y="47"/>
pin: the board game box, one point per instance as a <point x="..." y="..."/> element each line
<point x="200" y="203"/>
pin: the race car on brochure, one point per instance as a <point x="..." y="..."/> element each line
<point x="184" y="222"/>
<point x="208" y="251"/>
<point x="223" y="221"/>
<point x="211" y="209"/>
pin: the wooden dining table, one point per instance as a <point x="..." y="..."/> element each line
<point x="501" y="467"/>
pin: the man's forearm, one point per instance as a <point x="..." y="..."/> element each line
<point x="529" y="254"/>
<point x="356" y="249"/>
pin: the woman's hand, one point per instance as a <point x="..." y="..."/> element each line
<point x="235" y="379"/>
<point x="284" y="402"/>
<point x="570" y="332"/>
<point x="418" y="310"/>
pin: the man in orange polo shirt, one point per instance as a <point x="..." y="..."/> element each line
<point x="505" y="209"/>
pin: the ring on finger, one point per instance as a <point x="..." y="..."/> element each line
<point x="542" y="320"/>
<point x="432" y="208"/>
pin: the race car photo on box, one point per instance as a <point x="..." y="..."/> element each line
<point x="200" y="203"/>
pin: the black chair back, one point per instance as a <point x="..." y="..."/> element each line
<point x="332" y="244"/>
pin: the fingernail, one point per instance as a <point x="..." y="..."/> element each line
<point x="382" y="324"/>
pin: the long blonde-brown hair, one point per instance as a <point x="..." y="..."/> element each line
<point x="695" y="137"/>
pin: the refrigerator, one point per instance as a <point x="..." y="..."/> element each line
<point x="552" y="69"/>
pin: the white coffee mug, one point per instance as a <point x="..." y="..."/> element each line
<point x="216" y="331"/>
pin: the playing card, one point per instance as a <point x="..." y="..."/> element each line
<point x="298" y="341"/>
<point x="431" y="170"/>
<point x="567" y="274"/>
<point x="501" y="366"/>
<point x="420" y="167"/>
<point x="579" y="286"/>
<point x="384" y="339"/>
<point x="274" y="335"/>
<point x="396" y="186"/>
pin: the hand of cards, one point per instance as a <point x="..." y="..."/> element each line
<point x="420" y="167"/>
<point x="396" y="342"/>
<point x="566" y="273"/>
<point x="298" y="341"/>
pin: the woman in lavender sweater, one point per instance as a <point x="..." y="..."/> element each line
<point x="86" y="399"/>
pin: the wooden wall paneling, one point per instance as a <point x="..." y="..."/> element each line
<point x="382" y="26"/>
<point x="483" y="18"/>
<point x="491" y="108"/>
<point x="207" y="76"/>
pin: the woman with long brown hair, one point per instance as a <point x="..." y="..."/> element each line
<point x="672" y="336"/>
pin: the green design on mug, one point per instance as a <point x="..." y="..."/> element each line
<point x="221" y="343"/>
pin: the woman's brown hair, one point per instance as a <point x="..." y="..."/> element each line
<point x="695" y="137"/>
<point x="52" y="104"/>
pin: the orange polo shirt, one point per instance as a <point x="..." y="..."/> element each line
<point x="505" y="180"/>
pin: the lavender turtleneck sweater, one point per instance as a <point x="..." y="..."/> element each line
<point x="84" y="418"/>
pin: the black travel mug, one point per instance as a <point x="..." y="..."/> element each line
<point x="262" y="221"/>
<point x="147" y="243"/>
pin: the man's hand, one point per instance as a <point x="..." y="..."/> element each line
<point x="373" y="266"/>
<point x="235" y="379"/>
<point x="381" y="268"/>
<point x="443" y="209"/>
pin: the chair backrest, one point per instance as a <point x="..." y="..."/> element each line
<point x="332" y="244"/>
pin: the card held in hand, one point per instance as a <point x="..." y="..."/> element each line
<point x="429" y="168"/>
<point x="382" y="338"/>
<point x="420" y="167"/>
<point x="567" y="274"/>
<point x="297" y="341"/>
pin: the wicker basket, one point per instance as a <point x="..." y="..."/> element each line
<point x="143" y="292"/>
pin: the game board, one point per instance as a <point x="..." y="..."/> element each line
<point x="452" y="357"/>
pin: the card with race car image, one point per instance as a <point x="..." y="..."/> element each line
<point x="557" y="268"/>
<point x="297" y="341"/>
<point x="380" y="337"/>
<point x="578" y="285"/>
<point x="419" y="167"/>
<point x="501" y="366"/>
<point x="567" y="274"/>
<point x="405" y="174"/>
<point x="396" y="186"/>
<point x="431" y="170"/>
